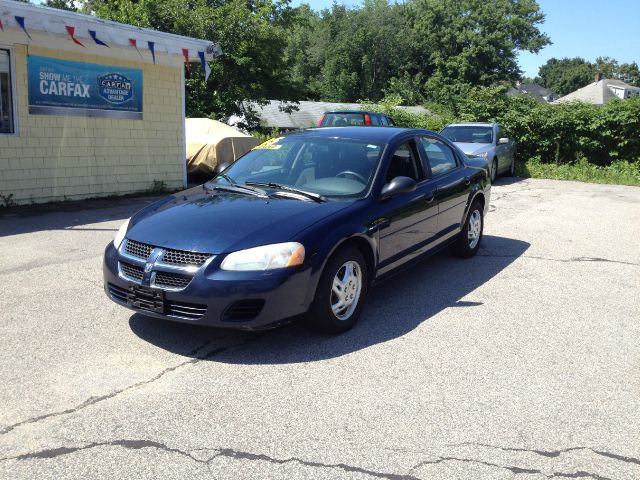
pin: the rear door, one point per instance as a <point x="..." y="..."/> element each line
<point x="452" y="187"/>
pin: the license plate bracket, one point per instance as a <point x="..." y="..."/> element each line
<point x="144" y="298"/>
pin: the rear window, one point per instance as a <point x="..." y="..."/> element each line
<point x="468" y="134"/>
<point x="343" y="120"/>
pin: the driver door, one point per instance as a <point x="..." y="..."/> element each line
<point x="409" y="221"/>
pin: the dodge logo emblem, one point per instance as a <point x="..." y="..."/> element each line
<point x="148" y="267"/>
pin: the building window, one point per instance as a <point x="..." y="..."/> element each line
<point x="7" y="123"/>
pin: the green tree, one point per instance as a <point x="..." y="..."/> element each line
<point x="467" y="43"/>
<point x="252" y="34"/>
<point x="61" y="4"/>
<point x="566" y="75"/>
<point x="610" y="68"/>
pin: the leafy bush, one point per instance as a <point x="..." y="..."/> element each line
<point x="404" y="118"/>
<point x="561" y="133"/>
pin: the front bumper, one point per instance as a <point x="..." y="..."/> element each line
<point x="214" y="297"/>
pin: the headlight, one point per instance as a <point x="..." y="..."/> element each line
<point x="267" y="257"/>
<point x="121" y="233"/>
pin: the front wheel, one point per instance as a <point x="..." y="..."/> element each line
<point x="469" y="239"/>
<point x="512" y="168"/>
<point x="494" y="170"/>
<point x="341" y="292"/>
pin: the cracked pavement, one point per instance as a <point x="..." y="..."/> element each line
<point x="520" y="363"/>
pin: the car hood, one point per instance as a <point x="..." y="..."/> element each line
<point x="474" y="148"/>
<point x="221" y="222"/>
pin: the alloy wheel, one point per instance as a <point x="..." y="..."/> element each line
<point x="345" y="291"/>
<point x="475" y="229"/>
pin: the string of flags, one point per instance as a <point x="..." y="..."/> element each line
<point x="133" y="42"/>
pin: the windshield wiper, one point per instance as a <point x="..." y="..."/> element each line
<point x="285" y="188"/>
<point x="236" y="187"/>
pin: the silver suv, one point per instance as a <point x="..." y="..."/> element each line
<point x="484" y="140"/>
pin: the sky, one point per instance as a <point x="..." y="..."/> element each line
<point x="577" y="28"/>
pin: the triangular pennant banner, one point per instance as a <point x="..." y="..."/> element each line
<point x="205" y="66"/>
<point x="152" y="47"/>
<point x="134" y="43"/>
<point x="96" y="39"/>
<point x="187" y="64"/>
<point x="20" y="21"/>
<point x="71" y="31"/>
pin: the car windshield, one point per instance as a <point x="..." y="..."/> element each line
<point x="331" y="167"/>
<point x="468" y="134"/>
<point x="343" y="120"/>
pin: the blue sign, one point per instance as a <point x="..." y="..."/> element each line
<point x="62" y="87"/>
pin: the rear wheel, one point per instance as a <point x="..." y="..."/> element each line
<point x="341" y="292"/>
<point x="469" y="239"/>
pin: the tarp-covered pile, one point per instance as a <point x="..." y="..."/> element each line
<point x="211" y="143"/>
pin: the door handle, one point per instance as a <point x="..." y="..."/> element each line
<point x="429" y="198"/>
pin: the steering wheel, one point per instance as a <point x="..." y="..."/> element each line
<point x="345" y="173"/>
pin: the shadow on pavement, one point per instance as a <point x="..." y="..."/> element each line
<point x="73" y="215"/>
<point x="395" y="307"/>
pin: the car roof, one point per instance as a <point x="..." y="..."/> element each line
<point x="472" y="124"/>
<point x="353" y="111"/>
<point x="368" y="134"/>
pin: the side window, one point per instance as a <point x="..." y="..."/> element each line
<point x="383" y="120"/>
<point x="375" y="119"/>
<point x="404" y="163"/>
<point x="6" y="94"/>
<point x="440" y="157"/>
<point x="391" y="122"/>
<point x="499" y="133"/>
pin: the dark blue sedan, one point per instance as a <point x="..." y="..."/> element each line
<point x="302" y="224"/>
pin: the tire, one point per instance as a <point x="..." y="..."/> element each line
<point x="512" y="168"/>
<point x="325" y="313"/>
<point x="494" y="170"/>
<point x="465" y="246"/>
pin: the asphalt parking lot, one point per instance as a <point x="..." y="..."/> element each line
<point x="521" y="362"/>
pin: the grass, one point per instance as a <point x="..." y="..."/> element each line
<point x="618" y="173"/>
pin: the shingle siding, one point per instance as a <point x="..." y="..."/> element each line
<point x="66" y="157"/>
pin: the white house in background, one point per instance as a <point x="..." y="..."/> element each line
<point x="601" y="91"/>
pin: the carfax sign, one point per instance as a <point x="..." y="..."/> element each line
<point x="61" y="87"/>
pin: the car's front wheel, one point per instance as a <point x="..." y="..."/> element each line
<point x="341" y="292"/>
<point x="512" y="168"/>
<point x="468" y="241"/>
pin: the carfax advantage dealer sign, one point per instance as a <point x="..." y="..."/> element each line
<point x="62" y="87"/>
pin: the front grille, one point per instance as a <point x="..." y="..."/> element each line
<point x="171" y="280"/>
<point x="117" y="293"/>
<point x="189" y="311"/>
<point x="132" y="271"/>
<point x="243" y="310"/>
<point x="180" y="257"/>
<point x="137" y="249"/>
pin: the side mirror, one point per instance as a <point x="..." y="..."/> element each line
<point x="503" y="140"/>
<point x="397" y="186"/>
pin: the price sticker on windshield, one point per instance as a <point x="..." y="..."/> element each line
<point x="271" y="144"/>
